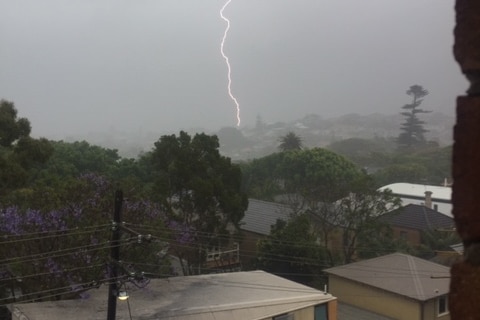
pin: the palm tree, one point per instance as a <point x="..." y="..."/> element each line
<point x="290" y="142"/>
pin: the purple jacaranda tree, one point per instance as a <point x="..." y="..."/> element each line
<point x="63" y="250"/>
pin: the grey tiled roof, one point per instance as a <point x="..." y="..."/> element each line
<point x="418" y="217"/>
<point x="398" y="273"/>
<point x="349" y="312"/>
<point x="261" y="215"/>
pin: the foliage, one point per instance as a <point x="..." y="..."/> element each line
<point x="291" y="251"/>
<point x="427" y="165"/>
<point x="360" y="213"/>
<point x="262" y="177"/>
<point x="341" y="200"/>
<point x="19" y="153"/>
<point x="63" y="249"/>
<point x="198" y="187"/>
<point x="437" y="240"/>
<point x="290" y="142"/>
<point x="11" y="128"/>
<point x="317" y="175"/>
<point x="310" y="173"/>
<point x="412" y="135"/>
<point x="354" y="218"/>
<point x="424" y="166"/>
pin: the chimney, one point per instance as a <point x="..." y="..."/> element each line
<point x="428" y="199"/>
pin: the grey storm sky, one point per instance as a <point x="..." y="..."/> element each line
<point x="91" y="65"/>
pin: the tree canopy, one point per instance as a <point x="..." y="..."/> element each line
<point x="308" y="173"/>
<point x="198" y="187"/>
<point x="290" y="141"/>
<point x="291" y="251"/>
<point x="19" y="153"/>
<point x="11" y="127"/>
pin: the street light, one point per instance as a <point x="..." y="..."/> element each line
<point x="122" y="295"/>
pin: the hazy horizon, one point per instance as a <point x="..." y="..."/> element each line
<point x="84" y="66"/>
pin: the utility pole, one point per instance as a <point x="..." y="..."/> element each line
<point x="115" y="257"/>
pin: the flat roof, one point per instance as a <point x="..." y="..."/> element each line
<point x="418" y="190"/>
<point x="225" y="296"/>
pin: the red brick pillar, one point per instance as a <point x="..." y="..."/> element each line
<point x="464" y="302"/>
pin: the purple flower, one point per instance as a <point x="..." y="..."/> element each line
<point x="183" y="234"/>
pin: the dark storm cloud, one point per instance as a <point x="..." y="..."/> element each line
<point x="78" y="66"/>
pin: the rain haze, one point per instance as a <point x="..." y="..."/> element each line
<point x="83" y="66"/>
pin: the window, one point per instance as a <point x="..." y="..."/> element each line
<point x="442" y="305"/>
<point x="286" y="316"/>
<point x="321" y="312"/>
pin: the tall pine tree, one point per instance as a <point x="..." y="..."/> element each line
<point x="412" y="130"/>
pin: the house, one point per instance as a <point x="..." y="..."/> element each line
<point x="227" y="296"/>
<point x="397" y="285"/>
<point x="409" y="222"/>
<point x="348" y="312"/>
<point x="256" y="225"/>
<point x="438" y="198"/>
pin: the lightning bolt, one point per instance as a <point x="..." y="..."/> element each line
<point x="229" y="86"/>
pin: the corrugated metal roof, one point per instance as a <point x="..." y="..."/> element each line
<point x="399" y="273"/>
<point x="261" y="215"/>
<point x="239" y="295"/>
<point x="418" y="190"/>
<point x="418" y="217"/>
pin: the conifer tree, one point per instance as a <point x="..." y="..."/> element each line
<point x="412" y="130"/>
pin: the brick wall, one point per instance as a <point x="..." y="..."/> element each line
<point x="465" y="282"/>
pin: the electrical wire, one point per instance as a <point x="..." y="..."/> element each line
<point x="66" y="252"/>
<point x="57" y="235"/>
<point x="53" y="231"/>
<point x="63" y="252"/>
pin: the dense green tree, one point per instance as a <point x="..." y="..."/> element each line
<point x="360" y="214"/>
<point x="317" y="175"/>
<point x="342" y="226"/>
<point x="412" y="130"/>
<point x="199" y="188"/>
<point x="11" y="127"/>
<point x="262" y="177"/>
<point x="424" y="166"/>
<point x="437" y="240"/>
<point x="291" y="251"/>
<point x="19" y="153"/>
<point x="290" y="141"/>
<point x="310" y="174"/>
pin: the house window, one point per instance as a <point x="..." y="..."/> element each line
<point x="442" y="305"/>
<point x="285" y="316"/>
<point x="321" y="312"/>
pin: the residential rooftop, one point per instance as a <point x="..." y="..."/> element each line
<point x="414" y="216"/>
<point x="225" y="296"/>
<point x="399" y="273"/>
<point x="261" y="215"/>
<point x="417" y="191"/>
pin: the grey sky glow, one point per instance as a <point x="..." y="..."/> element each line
<point x="90" y="65"/>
